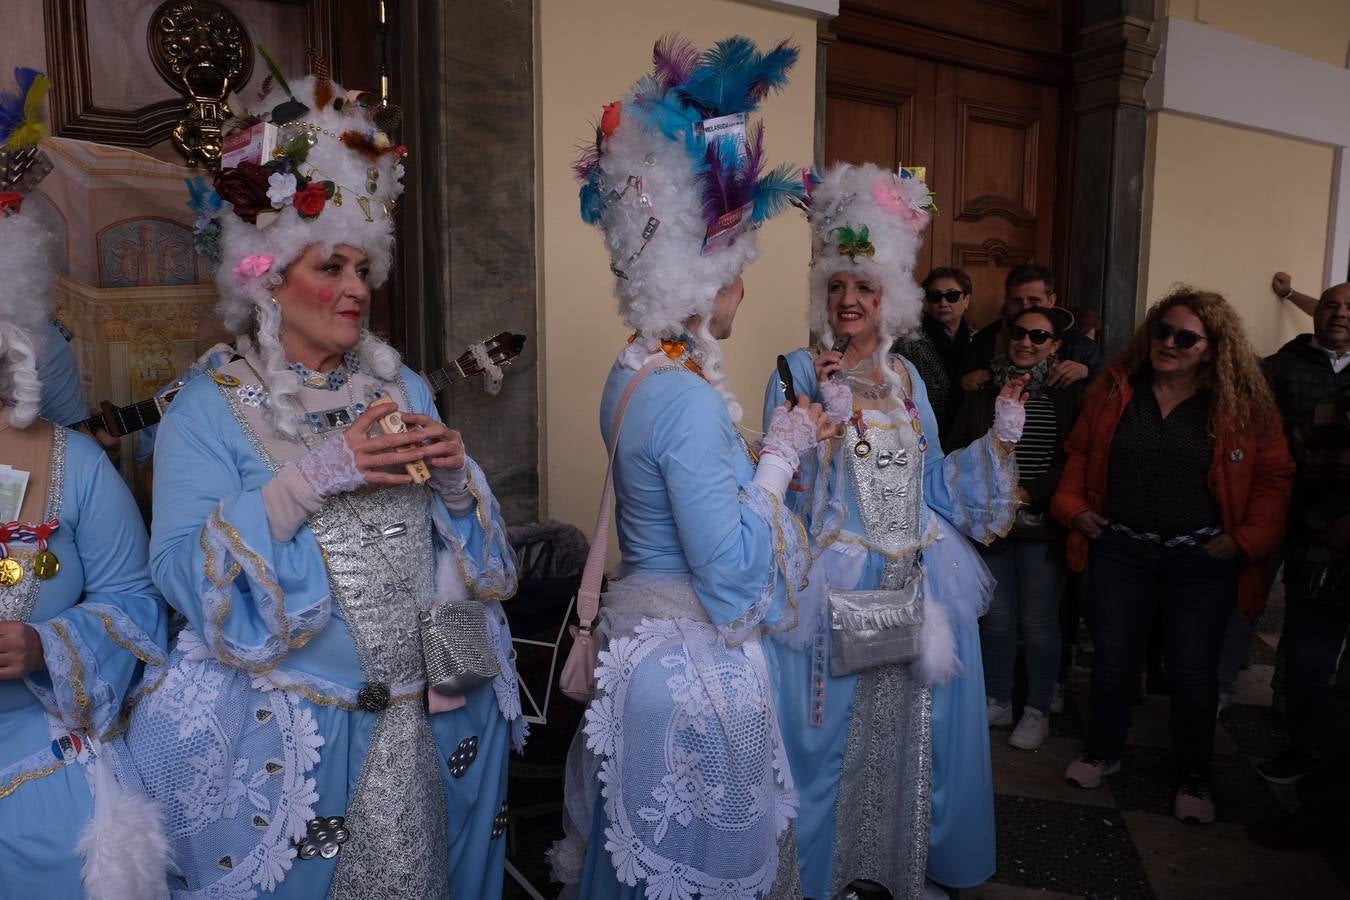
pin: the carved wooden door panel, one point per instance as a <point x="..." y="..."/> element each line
<point x="988" y="141"/>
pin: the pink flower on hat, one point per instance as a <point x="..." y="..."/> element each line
<point x="907" y="199"/>
<point x="254" y="266"/>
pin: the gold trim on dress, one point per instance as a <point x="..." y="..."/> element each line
<point x="125" y="643"/>
<point x="29" y="776"/>
<point x="82" y="702"/>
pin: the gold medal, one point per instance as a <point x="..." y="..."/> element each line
<point x="46" y="565"/>
<point x="11" y="572"/>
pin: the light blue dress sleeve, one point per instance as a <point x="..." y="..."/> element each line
<point x="477" y="535"/>
<point x="252" y="599"/>
<point x="62" y="395"/>
<point x="975" y="487"/>
<point x="95" y="649"/>
<point x="744" y="549"/>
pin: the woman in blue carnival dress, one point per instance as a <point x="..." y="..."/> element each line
<point x="292" y="741"/>
<point x="677" y="785"/>
<point x="882" y="748"/>
<point x="78" y="614"/>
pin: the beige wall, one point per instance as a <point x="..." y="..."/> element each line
<point x="589" y="52"/>
<point x="1227" y="207"/>
<point x="1318" y="29"/>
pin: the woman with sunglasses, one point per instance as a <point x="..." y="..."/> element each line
<point x="937" y="349"/>
<point x="1176" y="487"/>
<point x="1029" y="564"/>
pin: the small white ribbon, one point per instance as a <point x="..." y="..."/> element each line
<point x="492" y="373"/>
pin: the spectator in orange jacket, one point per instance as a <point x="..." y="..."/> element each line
<point x="1176" y="486"/>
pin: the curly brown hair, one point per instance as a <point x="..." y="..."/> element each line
<point x="1242" y="400"/>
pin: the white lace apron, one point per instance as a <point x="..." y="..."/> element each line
<point x="692" y="770"/>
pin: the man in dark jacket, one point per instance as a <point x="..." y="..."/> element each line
<point x="1311" y="367"/>
<point x="1317" y="617"/>
<point x="1028" y="285"/>
<point x="1310" y="375"/>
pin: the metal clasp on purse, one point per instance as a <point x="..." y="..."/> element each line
<point x="457" y="649"/>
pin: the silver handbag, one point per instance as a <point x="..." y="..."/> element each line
<point x="457" y="648"/>
<point x="875" y="628"/>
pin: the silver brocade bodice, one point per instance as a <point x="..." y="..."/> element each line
<point x="887" y="485"/>
<point x="378" y="548"/>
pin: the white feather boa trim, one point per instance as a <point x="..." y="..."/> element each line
<point x="125" y="851"/>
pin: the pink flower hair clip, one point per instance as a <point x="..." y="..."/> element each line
<point x="254" y="266"/>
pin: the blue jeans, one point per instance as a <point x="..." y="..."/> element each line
<point x="1196" y="594"/>
<point x="1030" y="578"/>
<point x="1313" y="632"/>
<point x="1237" y="641"/>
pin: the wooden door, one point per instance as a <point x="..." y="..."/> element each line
<point x="988" y="141"/>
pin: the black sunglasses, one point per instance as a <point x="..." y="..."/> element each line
<point x="952" y="297"/>
<point x="1183" y="338"/>
<point x="1038" y="335"/>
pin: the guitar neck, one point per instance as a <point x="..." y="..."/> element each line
<point x="123" y="420"/>
<point x="445" y="376"/>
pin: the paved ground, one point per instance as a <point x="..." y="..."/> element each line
<point x="1120" y="841"/>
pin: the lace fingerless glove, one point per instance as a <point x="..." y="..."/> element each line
<point x="1010" y="417"/>
<point x="837" y="399"/>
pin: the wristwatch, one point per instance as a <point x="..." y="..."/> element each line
<point x="1289" y="294"/>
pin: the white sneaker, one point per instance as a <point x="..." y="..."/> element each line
<point x="1057" y="704"/>
<point x="1031" y="731"/>
<point x="999" y="713"/>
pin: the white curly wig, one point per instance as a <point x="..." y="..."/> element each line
<point x="894" y="210"/>
<point x="671" y="280"/>
<point x="363" y="219"/>
<point x="26" y="248"/>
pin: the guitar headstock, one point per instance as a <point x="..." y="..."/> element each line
<point x="501" y="349"/>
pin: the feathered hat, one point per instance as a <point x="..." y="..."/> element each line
<point x="26" y="245"/>
<point x="676" y="180"/>
<point x="867" y="220"/>
<point x="311" y="164"/>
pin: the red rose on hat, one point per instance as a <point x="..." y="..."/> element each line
<point x="245" y="188"/>
<point x="310" y="201"/>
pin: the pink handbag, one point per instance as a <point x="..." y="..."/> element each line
<point x="577" y="679"/>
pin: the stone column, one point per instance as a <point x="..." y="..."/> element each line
<point x="1113" y="61"/>
<point x="467" y="85"/>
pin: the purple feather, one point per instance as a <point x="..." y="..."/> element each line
<point x="674" y="57"/>
<point x="754" y="162"/>
<point x="719" y="184"/>
<point x="588" y="158"/>
<point x="730" y="182"/>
